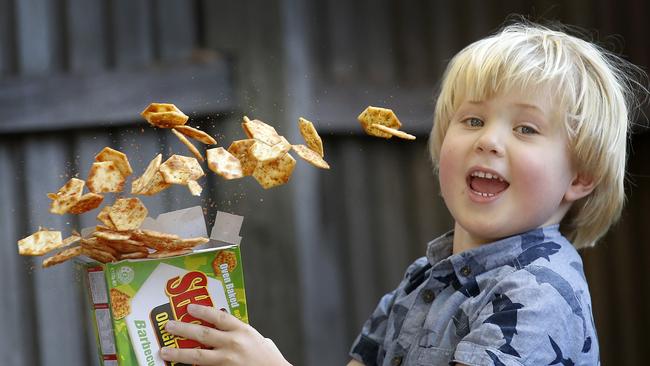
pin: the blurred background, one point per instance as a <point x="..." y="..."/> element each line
<point x="319" y="251"/>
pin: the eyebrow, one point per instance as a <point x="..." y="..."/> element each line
<point x="521" y="105"/>
<point x="529" y="106"/>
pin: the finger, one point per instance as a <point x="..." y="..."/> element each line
<point x="194" y="356"/>
<point x="220" y="319"/>
<point x="204" y="335"/>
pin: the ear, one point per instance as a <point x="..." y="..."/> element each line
<point x="581" y="186"/>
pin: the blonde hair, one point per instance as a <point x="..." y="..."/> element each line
<point x="594" y="87"/>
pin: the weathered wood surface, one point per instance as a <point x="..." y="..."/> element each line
<point x="111" y="98"/>
<point x="318" y="252"/>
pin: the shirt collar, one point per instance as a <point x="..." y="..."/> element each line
<point x="473" y="262"/>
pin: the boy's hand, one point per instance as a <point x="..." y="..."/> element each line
<point x="234" y="342"/>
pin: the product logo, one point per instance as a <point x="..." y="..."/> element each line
<point x="125" y="275"/>
<point x="190" y="288"/>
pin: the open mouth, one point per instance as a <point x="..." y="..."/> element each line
<point x="486" y="184"/>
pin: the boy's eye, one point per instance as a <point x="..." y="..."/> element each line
<point x="525" y="130"/>
<point x="473" y="122"/>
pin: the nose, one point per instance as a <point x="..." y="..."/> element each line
<point x="490" y="141"/>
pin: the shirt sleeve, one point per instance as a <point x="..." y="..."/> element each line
<point x="368" y="344"/>
<point x="526" y="322"/>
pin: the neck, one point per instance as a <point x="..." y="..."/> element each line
<point x="464" y="240"/>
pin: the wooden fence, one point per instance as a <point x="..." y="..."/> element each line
<point x="319" y="251"/>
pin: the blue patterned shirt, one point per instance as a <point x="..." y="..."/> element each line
<point x="522" y="300"/>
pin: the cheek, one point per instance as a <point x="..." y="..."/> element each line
<point x="541" y="179"/>
<point x="447" y="167"/>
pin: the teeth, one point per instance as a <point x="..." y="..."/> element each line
<point x="481" y="174"/>
<point x="484" y="194"/>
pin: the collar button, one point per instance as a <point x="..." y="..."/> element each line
<point x="396" y="361"/>
<point x="466" y="271"/>
<point x="427" y="296"/>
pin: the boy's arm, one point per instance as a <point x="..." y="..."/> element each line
<point x="354" y="362"/>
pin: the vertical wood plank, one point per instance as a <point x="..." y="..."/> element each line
<point x="35" y="43"/>
<point x="86" y="36"/>
<point x="318" y="259"/>
<point x="131" y="29"/>
<point x="85" y="145"/>
<point x="344" y="50"/>
<point x="376" y="26"/>
<point x="363" y="289"/>
<point x="175" y="30"/>
<point x="222" y="21"/>
<point x="16" y="304"/>
<point x="428" y="212"/>
<point x="46" y="169"/>
<point x="413" y="42"/>
<point x="275" y="306"/>
<point x="444" y="38"/>
<point x="389" y="214"/>
<point x="7" y="38"/>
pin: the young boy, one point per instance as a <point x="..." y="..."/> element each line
<point x="529" y="142"/>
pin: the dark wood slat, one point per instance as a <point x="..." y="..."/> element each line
<point x="344" y="61"/>
<point x="132" y="32"/>
<point x="476" y="15"/>
<point x="413" y="45"/>
<point x="337" y="106"/>
<point x="389" y="215"/>
<point x="444" y="38"/>
<point x="363" y="289"/>
<point x="222" y="20"/>
<point x="16" y="304"/>
<point x="35" y="46"/>
<point x="175" y="30"/>
<point x="46" y="169"/>
<point x="428" y="210"/>
<point x="270" y="250"/>
<point x="322" y="276"/>
<point x="87" y="51"/>
<point x="111" y="99"/>
<point x="375" y="27"/>
<point x="7" y="34"/>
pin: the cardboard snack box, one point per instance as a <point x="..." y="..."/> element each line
<point x="132" y="300"/>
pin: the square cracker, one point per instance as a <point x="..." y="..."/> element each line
<point x="119" y="158"/>
<point x="261" y="131"/>
<point x="164" y="115"/>
<point x="377" y="115"/>
<point x="180" y="169"/>
<point x="67" y="196"/>
<point x="275" y="172"/>
<point x="40" y="242"/>
<point x="241" y="150"/>
<point x="105" y="177"/>
<point x="120" y="303"/>
<point x="263" y="152"/>
<point x="224" y="163"/>
<point x="87" y="202"/>
<point x="127" y="213"/>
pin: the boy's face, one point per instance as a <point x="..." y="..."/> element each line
<point x="505" y="167"/>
